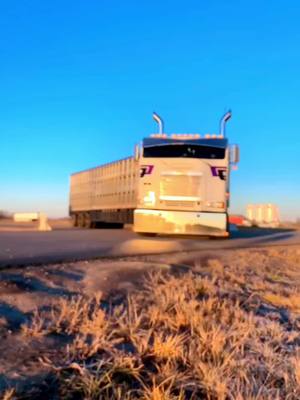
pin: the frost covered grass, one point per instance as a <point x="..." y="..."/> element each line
<point x="226" y="329"/>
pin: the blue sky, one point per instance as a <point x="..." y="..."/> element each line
<point x="79" y="81"/>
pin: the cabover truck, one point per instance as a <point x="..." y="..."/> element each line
<point x="174" y="184"/>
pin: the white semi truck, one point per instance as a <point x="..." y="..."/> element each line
<point x="174" y="184"/>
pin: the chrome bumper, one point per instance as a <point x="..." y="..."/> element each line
<point x="180" y="222"/>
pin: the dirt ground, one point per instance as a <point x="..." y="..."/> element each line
<point x="24" y="291"/>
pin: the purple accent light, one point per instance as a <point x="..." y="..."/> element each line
<point x="146" y="170"/>
<point x="220" y="172"/>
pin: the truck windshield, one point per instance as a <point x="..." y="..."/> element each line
<point x="185" y="150"/>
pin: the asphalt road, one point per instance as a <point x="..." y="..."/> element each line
<point x="29" y="247"/>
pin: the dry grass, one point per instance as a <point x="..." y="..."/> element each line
<point x="291" y="302"/>
<point x="9" y="394"/>
<point x="228" y="329"/>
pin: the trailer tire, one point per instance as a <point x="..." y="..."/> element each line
<point x="80" y="220"/>
<point x="74" y="219"/>
<point x="87" y="221"/>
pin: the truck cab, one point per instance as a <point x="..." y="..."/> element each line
<point x="184" y="185"/>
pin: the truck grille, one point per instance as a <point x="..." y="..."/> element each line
<point x="180" y="185"/>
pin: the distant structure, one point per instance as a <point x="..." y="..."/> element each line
<point x="4" y="214"/>
<point x="263" y="215"/>
<point x="26" y="217"/>
<point x="39" y="217"/>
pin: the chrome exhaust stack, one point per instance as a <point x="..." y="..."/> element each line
<point x="223" y="122"/>
<point x="160" y="122"/>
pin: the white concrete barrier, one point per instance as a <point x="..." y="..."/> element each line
<point x="26" y="217"/>
<point x="43" y="223"/>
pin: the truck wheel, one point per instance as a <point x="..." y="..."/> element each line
<point x="147" y="234"/>
<point x="227" y="227"/>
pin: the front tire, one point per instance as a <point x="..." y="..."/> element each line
<point x="147" y="234"/>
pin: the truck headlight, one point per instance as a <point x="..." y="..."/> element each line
<point x="149" y="199"/>
<point x="215" y="204"/>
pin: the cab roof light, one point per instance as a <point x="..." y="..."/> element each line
<point x="158" y="135"/>
<point x="179" y="136"/>
<point x="185" y="135"/>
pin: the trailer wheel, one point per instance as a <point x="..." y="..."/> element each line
<point x="87" y="221"/>
<point x="74" y="218"/>
<point x="80" y="220"/>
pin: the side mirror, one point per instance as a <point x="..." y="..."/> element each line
<point x="234" y="154"/>
<point x="136" y="152"/>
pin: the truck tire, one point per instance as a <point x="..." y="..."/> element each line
<point x="147" y="234"/>
<point x="227" y="227"/>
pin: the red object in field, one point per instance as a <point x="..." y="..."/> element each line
<point x="237" y="219"/>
